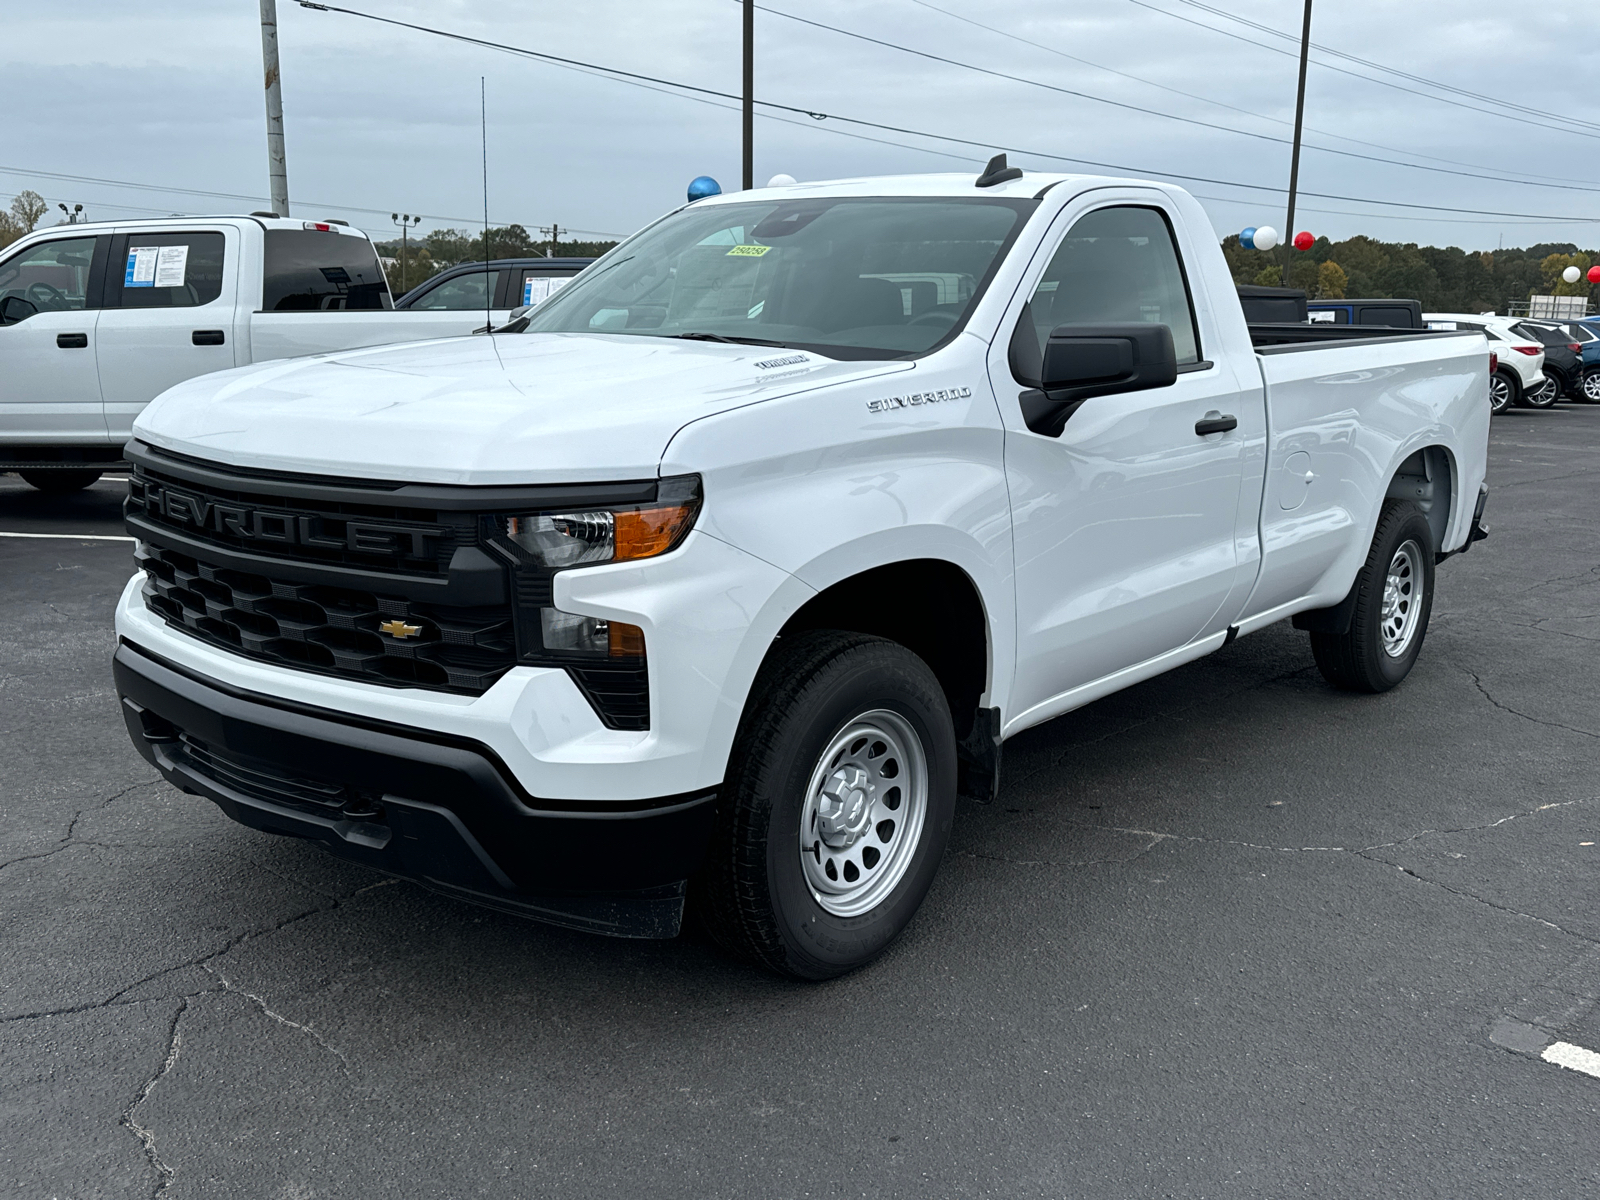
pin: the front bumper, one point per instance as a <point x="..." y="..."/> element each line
<point x="435" y="808"/>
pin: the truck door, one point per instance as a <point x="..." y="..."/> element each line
<point x="49" y="309"/>
<point x="168" y="317"/>
<point x="1124" y="525"/>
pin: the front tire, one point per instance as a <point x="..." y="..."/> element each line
<point x="60" y="483"/>
<point x="1394" y="598"/>
<point x="836" y="809"/>
<point x="1503" y="392"/>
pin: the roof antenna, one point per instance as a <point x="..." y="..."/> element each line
<point x="488" y="275"/>
<point x="998" y="172"/>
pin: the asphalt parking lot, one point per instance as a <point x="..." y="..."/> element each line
<point x="1226" y="934"/>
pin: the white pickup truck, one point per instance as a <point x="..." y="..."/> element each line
<point x="96" y="320"/>
<point x="718" y="582"/>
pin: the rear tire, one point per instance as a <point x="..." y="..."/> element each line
<point x="1589" y="389"/>
<point x="1545" y="394"/>
<point x="1394" y="598"/>
<point x="60" y="483"/>
<point x="1504" y="391"/>
<point x="846" y="744"/>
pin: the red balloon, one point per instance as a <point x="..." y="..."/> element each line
<point x="1594" y="274"/>
<point x="1304" y="241"/>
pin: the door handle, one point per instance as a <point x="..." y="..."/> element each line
<point x="207" y="337"/>
<point x="73" y="341"/>
<point x="1215" y="422"/>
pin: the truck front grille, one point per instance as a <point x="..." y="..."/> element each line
<point x="332" y="630"/>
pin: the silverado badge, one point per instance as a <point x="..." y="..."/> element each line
<point x="399" y="629"/>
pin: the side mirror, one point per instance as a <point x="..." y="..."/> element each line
<point x="1084" y="361"/>
<point x="16" y="308"/>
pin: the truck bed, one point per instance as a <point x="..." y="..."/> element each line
<point x="1281" y="338"/>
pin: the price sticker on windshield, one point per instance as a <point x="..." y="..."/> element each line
<point x="748" y="251"/>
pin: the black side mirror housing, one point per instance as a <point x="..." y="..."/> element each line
<point x="16" y="308"/>
<point x="1084" y="361"/>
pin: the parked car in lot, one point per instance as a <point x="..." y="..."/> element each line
<point x="1588" y="337"/>
<point x="1563" y="362"/>
<point x="1519" y="376"/>
<point x="506" y="283"/>
<point x="95" y="320"/>
<point x="723" y="578"/>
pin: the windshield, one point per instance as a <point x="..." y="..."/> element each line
<point x="848" y="278"/>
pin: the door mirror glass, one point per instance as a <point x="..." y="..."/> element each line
<point x="14" y="309"/>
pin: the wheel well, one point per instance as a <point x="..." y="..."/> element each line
<point x="930" y="607"/>
<point x="1426" y="478"/>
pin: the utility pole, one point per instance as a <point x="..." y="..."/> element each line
<point x="1294" y="161"/>
<point x="277" y="165"/>
<point x="749" y="94"/>
<point x="552" y="235"/>
<point x="406" y="221"/>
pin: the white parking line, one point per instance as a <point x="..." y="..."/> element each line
<point x="1574" y="1058"/>
<point x="72" y="537"/>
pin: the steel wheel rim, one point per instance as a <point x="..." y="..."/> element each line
<point x="863" y="813"/>
<point x="1499" y="393"/>
<point x="1402" y="599"/>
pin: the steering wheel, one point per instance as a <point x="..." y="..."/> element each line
<point x="934" y="318"/>
<point x="46" y="296"/>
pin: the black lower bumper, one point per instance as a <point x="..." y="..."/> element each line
<point x="439" y="810"/>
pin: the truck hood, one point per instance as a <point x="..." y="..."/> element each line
<point x="516" y="408"/>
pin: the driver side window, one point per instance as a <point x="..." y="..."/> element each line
<point x="1116" y="266"/>
<point x="50" y="276"/>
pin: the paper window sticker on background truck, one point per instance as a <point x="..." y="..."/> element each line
<point x="141" y="266"/>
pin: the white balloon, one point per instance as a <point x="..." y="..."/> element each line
<point x="1266" y="237"/>
<point x="1572" y="274"/>
<point x="781" y="180"/>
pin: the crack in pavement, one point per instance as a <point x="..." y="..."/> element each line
<point x="1514" y="712"/>
<point x="228" y="986"/>
<point x="164" y="1173"/>
<point x="69" y="841"/>
<point x="116" y="998"/>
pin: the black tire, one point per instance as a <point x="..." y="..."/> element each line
<point x="59" y="483"/>
<point x="1504" y="391"/>
<point x="1545" y="394"/>
<point x="753" y="896"/>
<point x="1359" y="660"/>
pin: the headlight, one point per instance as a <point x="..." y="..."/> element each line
<point x="577" y="539"/>
<point x="605" y="658"/>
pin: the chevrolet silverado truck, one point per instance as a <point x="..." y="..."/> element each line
<point x="714" y="581"/>
<point x="96" y="320"/>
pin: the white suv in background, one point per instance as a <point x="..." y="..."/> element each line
<point x="1519" y="378"/>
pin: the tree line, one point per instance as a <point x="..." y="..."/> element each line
<point x="1445" y="279"/>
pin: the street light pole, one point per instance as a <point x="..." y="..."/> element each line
<point x="277" y="165"/>
<point x="405" y="221"/>
<point x="1294" y="160"/>
<point x="749" y="94"/>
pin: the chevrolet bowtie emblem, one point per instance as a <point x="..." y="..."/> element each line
<point x="399" y="629"/>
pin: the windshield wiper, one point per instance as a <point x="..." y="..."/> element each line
<point x="697" y="336"/>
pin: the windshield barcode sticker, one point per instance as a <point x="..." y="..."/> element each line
<point x="748" y="251"/>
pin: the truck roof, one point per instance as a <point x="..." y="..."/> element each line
<point x="952" y="183"/>
<point x="189" y="219"/>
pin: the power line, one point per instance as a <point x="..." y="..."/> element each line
<point x="1036" y="45"/>
<point x="1365" y="78"/>
<point x="987" y="146"/>
<point x="1377" y="66"/>
<point x="1265" y="137"/>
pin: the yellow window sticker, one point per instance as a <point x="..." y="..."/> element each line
<point x="748" y="251"/>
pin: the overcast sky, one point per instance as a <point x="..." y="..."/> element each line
<point x="167" y="94"/>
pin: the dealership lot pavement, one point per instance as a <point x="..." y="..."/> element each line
<point x="1228" y="933"/>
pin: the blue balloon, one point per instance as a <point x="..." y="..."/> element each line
<point x="1247" y="239"/>
<point x="702" y="186"/>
